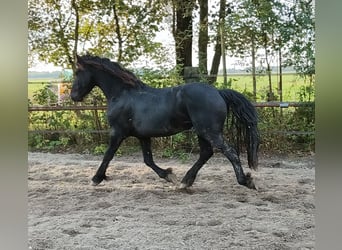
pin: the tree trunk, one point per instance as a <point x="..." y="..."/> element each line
<point x="253" y="68"/>
<point x="182" y="33"/>
<point x="217" y="55"/>
<point x="280" y="91"/>
<point x="223" y="52"/>
<point x="203" y="37"/>
<point x="270" y="94"/>
<point x="72" y="59"/>
<point x="118" y="33"/>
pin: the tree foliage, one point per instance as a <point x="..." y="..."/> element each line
<point x="271" y="32"/>
<point x="301" y="54"/>
<point x="122" y="30"/>
<point x="274" y="25"/>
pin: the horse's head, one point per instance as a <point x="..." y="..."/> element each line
<point x="83" y="82"/>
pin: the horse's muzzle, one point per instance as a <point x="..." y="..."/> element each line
<point x="75" y="97"/>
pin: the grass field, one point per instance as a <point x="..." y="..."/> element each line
<point x="35" y="85"/>
<point x="292" y="86"/>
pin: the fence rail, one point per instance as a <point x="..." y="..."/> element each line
<point x="63" y="108"/>
<point x="273" y="104"/>
<point x="89" y="107"/>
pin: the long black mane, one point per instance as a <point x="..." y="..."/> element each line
<point x="113" y="68"/>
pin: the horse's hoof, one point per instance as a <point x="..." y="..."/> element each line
<point x="171" y="177"/>
<point x="184" y="188"/>
<point x="96" y="180"/>
<point x="94" y="184"/>
<point x="108" y="178"/>
<point x="250" y="182"/>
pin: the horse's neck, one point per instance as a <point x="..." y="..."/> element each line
<point x="111" y="87"/>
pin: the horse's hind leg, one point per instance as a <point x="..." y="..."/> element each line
<point x="148" y="159"/>
<point x="114" y="144"/>
<point x="206" y="151"/>
<point x="233" y="157"/>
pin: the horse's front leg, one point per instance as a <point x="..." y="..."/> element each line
<point x="114" y="143"/>
<point x="148" y="159"/>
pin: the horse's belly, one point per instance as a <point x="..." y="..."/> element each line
<point x="161" y="129"/>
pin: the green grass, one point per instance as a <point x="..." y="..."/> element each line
<point x="292" y="86"/>
<point x="32" y="88"/>
<point x="35" y="85"/>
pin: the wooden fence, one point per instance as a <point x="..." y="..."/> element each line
<point x="273" y="104"/>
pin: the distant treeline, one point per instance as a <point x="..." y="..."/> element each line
<point x="44" y="75"/>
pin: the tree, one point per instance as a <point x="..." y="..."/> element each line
<point x="218" y="52"/>
<point x="54" y="30"/>
<point x="125" y="29"/>
<point x="268" y="18"/>
<point x="301" y="53"/>
<point x="59" y="29"/>
<point x="203" y="38"/>
<point x="243" y="33"/>
<point x="264" y="30"/>
<point x="182" y="32"/>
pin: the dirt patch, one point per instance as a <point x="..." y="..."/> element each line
<point x="137" y="210"/>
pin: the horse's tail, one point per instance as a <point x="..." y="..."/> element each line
<point x="246" y="115"/>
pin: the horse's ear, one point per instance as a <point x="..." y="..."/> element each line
<point x="78" y="58"/>
<point x="79" y="62"/>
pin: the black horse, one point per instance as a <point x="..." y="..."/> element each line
<point x="135" y="109"/>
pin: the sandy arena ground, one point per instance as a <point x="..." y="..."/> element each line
<point x="138" y="210"/>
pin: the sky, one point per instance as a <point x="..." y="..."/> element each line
<point x="40" y="67"/>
